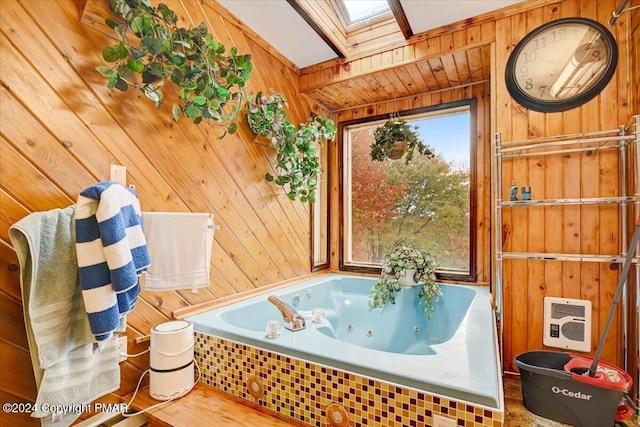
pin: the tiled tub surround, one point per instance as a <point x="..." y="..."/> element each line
<point x="451" y="368"/>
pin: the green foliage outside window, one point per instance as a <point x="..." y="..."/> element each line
<point x="426" y="201"/>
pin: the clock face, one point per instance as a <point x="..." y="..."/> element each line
<point x="561" y="65"/>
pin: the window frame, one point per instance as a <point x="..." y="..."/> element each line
<point x="349" y="25"/>
<point x="320" y="216"/>
<point x="442" y="275"/>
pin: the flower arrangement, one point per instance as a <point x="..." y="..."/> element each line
<point x="422" y="271"/>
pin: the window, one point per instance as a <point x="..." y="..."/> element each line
<point x="357" y="13"/>
<point x="320" y="216"/>
<point x="428" y="201"/>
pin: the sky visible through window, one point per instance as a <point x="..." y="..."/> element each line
<point x="448" y="134"/>
<point x="360" y="10"/>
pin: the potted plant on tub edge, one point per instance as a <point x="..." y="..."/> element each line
<point x="407" y="266"/>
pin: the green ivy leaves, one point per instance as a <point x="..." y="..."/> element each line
<point x="297" y="163"/>
<point x="404" y="257"/>
<point x="210" y="82"/>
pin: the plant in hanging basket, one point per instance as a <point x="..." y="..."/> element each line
<point x="396" y="138"/>
<point x="406" y="257"/>
<point x="151" y="49"/>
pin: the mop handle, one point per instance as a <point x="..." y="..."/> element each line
<point x="616" y="298"/>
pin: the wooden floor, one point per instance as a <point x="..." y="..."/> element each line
<point x="205" y="405"/>
<point x="218" y="408"/>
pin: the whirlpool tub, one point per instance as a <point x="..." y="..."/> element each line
<point x="452" y="355"/>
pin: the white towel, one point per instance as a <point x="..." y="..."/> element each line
<point x="180" y="245"/>
<point x="67" y="365"/>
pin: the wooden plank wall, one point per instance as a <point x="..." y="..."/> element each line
<point x="61" y="129"/>
<point x="571" y="229"/>
<point x="456" y="38"/>
<point x="634" y="48"/>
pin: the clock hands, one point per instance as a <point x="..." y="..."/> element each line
<point x="584" y="67"/>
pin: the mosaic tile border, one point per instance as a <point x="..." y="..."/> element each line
<point x="302" y="390"/>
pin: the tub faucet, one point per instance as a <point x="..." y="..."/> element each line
<point x="293" y="320"/>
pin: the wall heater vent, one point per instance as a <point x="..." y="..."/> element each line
<point x="567" y="323"/>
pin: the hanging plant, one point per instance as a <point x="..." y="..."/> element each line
<point x="151" y="49"/>
<point x="396" y="138"/>
<point x="297" y="163"/>
<point x="298" y="166"/>
<point x="266" y="117"/>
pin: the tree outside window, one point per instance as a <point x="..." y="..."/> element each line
<point x="427" y="201"/>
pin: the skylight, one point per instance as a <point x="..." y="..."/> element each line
<point x="355" y="13"/>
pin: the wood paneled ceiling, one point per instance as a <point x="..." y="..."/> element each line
<point x="380" y="65"/>
<point x="414" y="77"/>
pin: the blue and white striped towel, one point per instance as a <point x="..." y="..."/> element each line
<point x="112" y="252"/>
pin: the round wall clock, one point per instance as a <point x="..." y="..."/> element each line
<point x="561" y="64"/>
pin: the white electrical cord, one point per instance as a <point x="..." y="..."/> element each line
<point x="134" y="355"/>
<point x="174" y="397"/>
